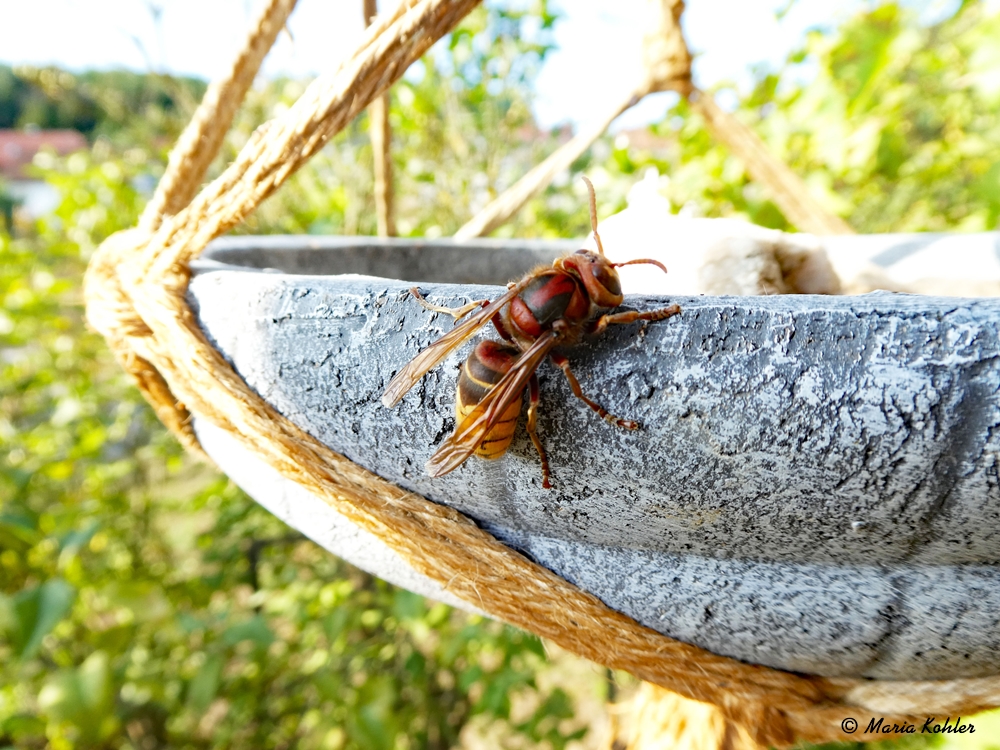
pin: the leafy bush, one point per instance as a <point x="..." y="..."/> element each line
<point x="146" y="600"/>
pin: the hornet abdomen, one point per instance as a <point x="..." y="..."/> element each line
<point x="484" y="368"/>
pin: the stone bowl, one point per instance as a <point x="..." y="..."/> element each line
<point x="815" y="485"/>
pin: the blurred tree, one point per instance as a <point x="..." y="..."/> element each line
<point x="462" y="132"/>
<point x="125" y="107"/>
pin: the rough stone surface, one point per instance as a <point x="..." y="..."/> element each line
<point x="814" y="486"/>
<point x="893" y="622"/>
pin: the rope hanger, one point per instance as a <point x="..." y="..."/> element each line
<point x="667" y="67"/>
<point x="136" y="297"/>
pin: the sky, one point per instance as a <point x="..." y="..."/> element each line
<point x="598" y="42"/>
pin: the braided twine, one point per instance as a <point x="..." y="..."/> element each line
<point x="135" y="288"/>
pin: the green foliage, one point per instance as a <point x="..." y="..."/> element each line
<point x="145" y="602"/>
<point x="462" y="133"/>
<point x="38" y="97"/>
<point x="30" y="614"/>
<point x="892" y="124"/>
<point x="900" y="120"/>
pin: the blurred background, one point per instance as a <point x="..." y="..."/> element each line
<point x="146" y="602"/>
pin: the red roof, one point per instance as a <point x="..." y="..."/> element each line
<point x="18" y="148"/>
<point x="531" y="132"/>
<point x="644" y="140"/>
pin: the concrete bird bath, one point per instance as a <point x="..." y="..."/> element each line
<point x="815" y="485"/>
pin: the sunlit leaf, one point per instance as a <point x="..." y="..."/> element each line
<point x="83" y="697"/>
<point x="255" y="630"/>
<point x="204" y="686"/>
<point x="37" y="611"/>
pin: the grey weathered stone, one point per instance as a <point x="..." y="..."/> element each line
<point x="814" y="486"/>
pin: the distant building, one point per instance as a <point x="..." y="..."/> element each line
<point x="17" y="150"/>
<point x="531" y="133"/>
<point x="642" y="139"/>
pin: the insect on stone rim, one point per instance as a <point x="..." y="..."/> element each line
<point x="550" y="306"/>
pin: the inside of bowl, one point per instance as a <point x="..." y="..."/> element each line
<point x="442" y="261"/>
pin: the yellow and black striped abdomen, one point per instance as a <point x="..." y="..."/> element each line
<point x="484" y="368"/>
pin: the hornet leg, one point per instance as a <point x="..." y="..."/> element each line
<point x="631" y="316"/>
<point x="533" y="434"/>
<point x="460" y="312"/>
<point x="456" y="312"/>
<point x="563" y="363"/>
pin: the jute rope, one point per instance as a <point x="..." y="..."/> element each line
<point x="201" y="140"/>
<point x="136" y="296"/>
<point x="500" y="210"/>
<point x="381" y="137"/>
<point x="661" y="720"/>
<point x="667" y="67"/>
<point x="785" y="187"/>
